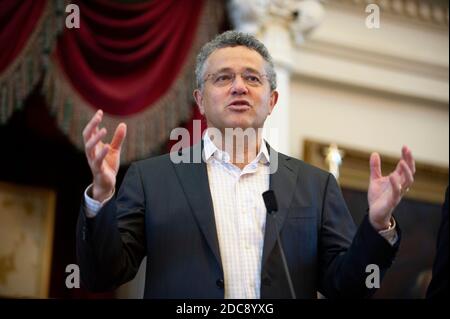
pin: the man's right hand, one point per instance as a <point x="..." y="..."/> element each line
<point x="103" y="159"/>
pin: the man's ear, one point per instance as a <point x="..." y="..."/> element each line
<point x="273" y="100"/>
<point x="198" y="96"/>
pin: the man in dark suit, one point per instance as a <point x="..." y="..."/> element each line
<point x="203" y="225"/>
<point x="438" y="288"/>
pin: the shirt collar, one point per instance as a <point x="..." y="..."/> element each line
<point x="211" y="150"/>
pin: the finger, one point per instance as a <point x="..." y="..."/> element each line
<point x="396" y="186"/>
<point x="398" y="167"/>
<point x="100" y="156"/>
<point x="375" y="166"/>
<point x="407" y="156"/>
<point x="407" y="174"/>
<point x="92" y="125"/>
<point x="119" y="136"/>
<point x="93" y="141"/>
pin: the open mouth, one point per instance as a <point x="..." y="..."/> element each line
<point x="239" y="105"/>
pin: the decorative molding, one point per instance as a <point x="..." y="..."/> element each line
<point x="433" y="12"/>
<point x="300" y="17"/>
<point x="430" y="181"/>
<point x="383" y="81"/>
<point x="392" y="61"/>
<point x="370" y="57"/>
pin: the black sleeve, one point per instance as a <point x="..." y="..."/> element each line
<point x="344" y="258"/>
<point x="111" y="246"/>
<point x="438" y="287"/>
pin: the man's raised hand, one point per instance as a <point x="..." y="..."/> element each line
<point x="103" y="159"/>
<point x="385" y="192"/>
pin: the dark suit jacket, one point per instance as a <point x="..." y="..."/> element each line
<point x="164" y="211"/>
<point x="438" y="288"/>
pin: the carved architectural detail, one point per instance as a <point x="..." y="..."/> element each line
<point x="430" y="11"/>
<point x="298" y="16"/>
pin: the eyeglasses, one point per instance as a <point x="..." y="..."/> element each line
<point x="225" y="78"/>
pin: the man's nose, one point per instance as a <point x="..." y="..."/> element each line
<point x="239" y="86"/>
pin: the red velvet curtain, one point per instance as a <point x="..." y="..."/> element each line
<point x="27" y="32"/>
<point x="17" y="21"/>
<point x="133" y="60"/>
<point x="125" y="57"/>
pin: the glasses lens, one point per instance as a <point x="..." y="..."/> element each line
<point x="226" y="78"/>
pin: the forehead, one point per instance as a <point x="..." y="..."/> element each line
<point x="239" y="57"/>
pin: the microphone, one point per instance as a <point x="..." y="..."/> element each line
<point x="272" y="207"/>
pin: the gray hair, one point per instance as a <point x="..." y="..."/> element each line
<point x="233" y="39"/>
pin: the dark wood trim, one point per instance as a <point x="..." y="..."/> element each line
<point x="429" y="184"/>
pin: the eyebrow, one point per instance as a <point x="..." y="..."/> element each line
<point x="227" y="69"/>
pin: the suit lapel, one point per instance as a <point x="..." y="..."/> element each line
<point x="193" y="178"/>
<point x="282" y="182"/>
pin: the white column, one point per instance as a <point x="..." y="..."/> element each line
<point x="277" y="39"/>
<point x="280" y="25"/>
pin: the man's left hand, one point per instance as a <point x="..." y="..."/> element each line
<point x="385" y="192"/>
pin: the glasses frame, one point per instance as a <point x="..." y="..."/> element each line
<point x="234" y="75"/>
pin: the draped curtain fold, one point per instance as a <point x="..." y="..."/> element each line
<point x="27" y="33"/>
<point x="133" y="60"/>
